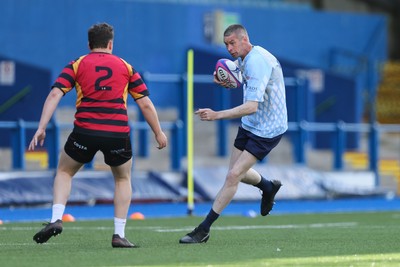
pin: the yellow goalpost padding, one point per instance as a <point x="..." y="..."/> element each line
<point x="190" y="182"/>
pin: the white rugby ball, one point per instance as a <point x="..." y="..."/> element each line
<point x="226" y="70"/>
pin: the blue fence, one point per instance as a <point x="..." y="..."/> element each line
<point x="20" y="127"/>
<point x="338" y="132"/>
<point x="300" y="130"/>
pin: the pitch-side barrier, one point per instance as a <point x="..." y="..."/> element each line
<point x="19" y="128"/>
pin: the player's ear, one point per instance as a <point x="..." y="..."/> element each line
<point x="110" y="45"/>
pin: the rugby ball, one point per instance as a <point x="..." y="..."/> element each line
<point x="227" y="71"/>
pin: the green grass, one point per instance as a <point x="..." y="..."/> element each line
<point x="349" y="239"/>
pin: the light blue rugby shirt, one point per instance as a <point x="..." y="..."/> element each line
<point x="263" y="82"/>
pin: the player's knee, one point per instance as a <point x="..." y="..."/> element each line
<point x="232" y="178"/>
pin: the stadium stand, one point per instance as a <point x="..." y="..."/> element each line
<point x="338" y="56"/>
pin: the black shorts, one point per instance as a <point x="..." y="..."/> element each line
<point x="82" y="148"/>
<point x="259" y="147"/>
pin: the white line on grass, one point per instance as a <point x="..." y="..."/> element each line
<point x="286" y="226"/>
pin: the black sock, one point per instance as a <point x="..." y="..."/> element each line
<point x="209" y="220"/>
<point x="265" y="185"/>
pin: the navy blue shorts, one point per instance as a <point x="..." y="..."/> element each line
<point x="259" y="147"/>
<point x="82" y="148"/>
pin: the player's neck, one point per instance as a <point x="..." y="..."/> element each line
<point x="247" y="50"/>
<point x="101" y="50"/>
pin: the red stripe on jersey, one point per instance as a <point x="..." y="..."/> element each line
<point x="101" y="129"/>
<point x="101" y="116"/>
<point x="100" y="79"/>
<point x="102" y="105"/>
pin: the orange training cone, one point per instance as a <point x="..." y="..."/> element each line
<point x="68" y="218"/>
<point x="137" y="216"/>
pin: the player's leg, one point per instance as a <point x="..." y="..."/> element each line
<point x="201" y="233"/>
<point x="123" y="189"/>
<point x="239" y="164"/>
<point x="122" y="201"/>
<point x="236" y="173"/>
<point x="67" y="167"/>
<point x="252" y="177"/>
<point x="269" y="188"/>
<point x="260" y="148"/>
<point x="118" y="155"/>
<point x="78" y="150"/>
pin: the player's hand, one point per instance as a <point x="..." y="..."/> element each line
<point x="39" y="137"/>
<point x="206" y="114"/>
<point x="221" y="83"/>
<point x="162" y="140"/>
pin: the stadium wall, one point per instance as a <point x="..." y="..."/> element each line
<point x="154" y="35"/>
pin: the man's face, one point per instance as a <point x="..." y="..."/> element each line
<point x="233" y="44"/>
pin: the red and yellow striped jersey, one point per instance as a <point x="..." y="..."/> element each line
<point x="102" y="82"/>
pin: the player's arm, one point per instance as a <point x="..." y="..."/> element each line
<point x="150" y="114"/>
<point x="49" y="107"/>
<point x="247" y="108"/>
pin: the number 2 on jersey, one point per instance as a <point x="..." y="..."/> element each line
<point x="107" y="75"/>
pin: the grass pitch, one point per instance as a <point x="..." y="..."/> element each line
<point x="348" y="239"/>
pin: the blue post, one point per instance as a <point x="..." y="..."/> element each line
<point x="339" y="145"/>
<point x="374" y="151"/>
<point x="374" y="133"/>
<point x="299" y="143"/>
<point x="132" y="144"/>
<point x="143" y="138"/>
<point x="53" y="144"/>
<point x="371" y="86"/>
<point x="300" y="94"/>
<point x="222" y="137"/>
<point x="16" y="162"/>
<point x="224" y="102"/>
<point x="18" y="146"/>
<point x="177" y="145"/>
<point x="301" y="98"/>
<point x="143" y="149"/>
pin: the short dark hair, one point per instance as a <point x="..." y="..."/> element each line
<point x="238" y="29"/>
<point x="99" y="35"/>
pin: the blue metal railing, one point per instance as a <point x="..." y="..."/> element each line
<point x="339" y="131"/>
<point x="299" y="129"/>
<point x="18" y="140"/>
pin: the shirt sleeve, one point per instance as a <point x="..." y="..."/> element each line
<point x="137" y="88"/>
<point x="66" y="80"/>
